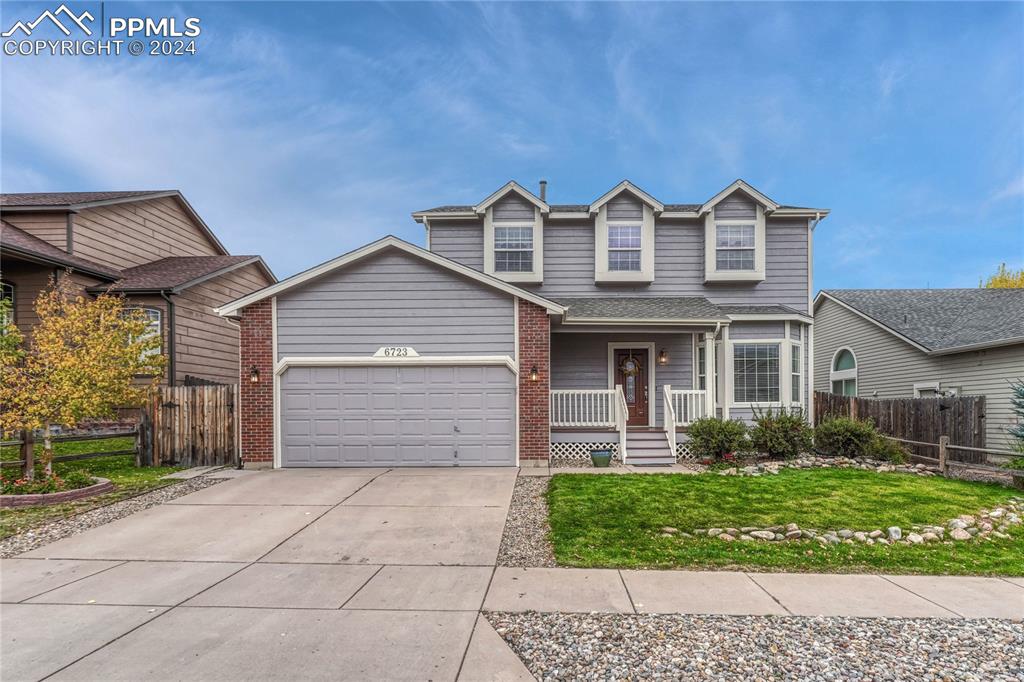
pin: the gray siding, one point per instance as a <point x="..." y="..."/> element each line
<point x="736" y="206"/>
<point x="461" y="241"/>
<point x="581" y="361"/>
<point x="757" y="330"/>
<point x="394" y="298"/>
<point x="678" y="261"/>
<point x="513" y="207"/>
<point x="891" y="367"/>
<point x="625" y="207"/>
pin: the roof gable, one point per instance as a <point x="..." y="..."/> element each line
<point x="744" y="187"/>
<point x="626" y="186"/>
<point x="389" y="242"/>
<point x="511" y="186"/>
<point x="939" y="321"/>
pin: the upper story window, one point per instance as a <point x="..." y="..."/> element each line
<point x="734" y="241"/>
<point x="734" y="247"/>
<point x="513" y="249"/>
<point x="624" y="248"/>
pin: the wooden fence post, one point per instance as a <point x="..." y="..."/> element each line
<point x="943" y="445"/>
<point x="28" y="454"/>
<point x="144" y="440"/>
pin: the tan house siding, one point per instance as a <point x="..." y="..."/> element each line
<point x="207" y="344"/>
<point x="50" y="227"/>
<point x="888" y="367"/>
<point x="133" y="233"/>
<point x="29" y="280"/>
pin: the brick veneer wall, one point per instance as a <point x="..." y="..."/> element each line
<point x="534" y="396"/>
<point x="256" y="412"/>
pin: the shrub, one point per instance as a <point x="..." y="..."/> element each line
<point x="715" y="438"/>
<point x="888" y="450"/>
<point x="14" y="484"/>
<point x="844" y="437"/>
<point x="780" y="434"/>
<point x="1015" y="464"/>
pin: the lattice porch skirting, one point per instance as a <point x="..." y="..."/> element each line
<point x="578" y="454"/>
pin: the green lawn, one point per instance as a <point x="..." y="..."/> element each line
<point x="614" y="521"/>
<point x="127" y="479"/>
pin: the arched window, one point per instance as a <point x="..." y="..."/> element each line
<point x="843" y="373"/>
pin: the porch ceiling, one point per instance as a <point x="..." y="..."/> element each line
<point x="641" y="309"/>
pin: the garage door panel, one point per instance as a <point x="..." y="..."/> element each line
<point x="398" y="416"/>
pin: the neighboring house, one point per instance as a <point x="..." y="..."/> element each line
<point x="527" y="330"/>
<point x="903" y="343"/>
<point x="150" y="246"/>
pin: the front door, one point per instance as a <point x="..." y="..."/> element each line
<point x="631" y="373"/>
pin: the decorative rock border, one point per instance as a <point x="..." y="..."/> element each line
<point x="815" y="462"/>
<point x="101" y="486"/>
<point x="985" y="525"/>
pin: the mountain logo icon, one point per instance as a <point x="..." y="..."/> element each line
<point x="76" y="20"/>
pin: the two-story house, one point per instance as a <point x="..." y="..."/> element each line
<point x="528" y="330"/>
<point x="151" y="247"/>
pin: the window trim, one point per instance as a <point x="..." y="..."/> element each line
<point x="844" y="374"/>
<point x="711" y="271"/>
<point x="645" y="274"/>
<point x="783" y="376"/>
<point x="496" y="250"/>
<point x="14" y="299"/>
<point x="797" y="373"/>
<point x="534" y="276"/>
<point x="159" y="325"/>
<point x="927" y="386"/>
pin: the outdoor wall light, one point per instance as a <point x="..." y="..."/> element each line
<point x="534" y="374"/>
<point x="254" y="375"/>
<point x="662" y="357"/>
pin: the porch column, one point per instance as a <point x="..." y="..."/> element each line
<point x="709" y="373"/>
<point x="534" y="395"/>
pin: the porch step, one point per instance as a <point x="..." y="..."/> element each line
<point x="648" y="448"/>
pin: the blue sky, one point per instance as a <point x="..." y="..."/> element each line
<point x="302" y="130"/>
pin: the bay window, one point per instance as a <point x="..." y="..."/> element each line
<point x="756" y="372"/>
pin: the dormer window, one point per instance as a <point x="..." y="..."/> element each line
<point x="624" y="247"/>
<point x="734" y="236"/>
<point x="513" y="236"/>
<point x="513" y="248"/>
<point x="734" y="247"/>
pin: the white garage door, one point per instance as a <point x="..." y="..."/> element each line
<point x="398" y="416"/>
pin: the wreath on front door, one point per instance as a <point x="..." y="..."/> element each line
<point x="629" y="367"/>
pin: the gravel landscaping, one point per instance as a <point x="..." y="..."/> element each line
<point x="57" y="530"/>
<point x="525" y="542"/>
<point x="608" y="647"/>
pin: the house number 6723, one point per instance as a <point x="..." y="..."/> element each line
<point x="396" y="352"/>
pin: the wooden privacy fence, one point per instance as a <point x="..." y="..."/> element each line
<point x="190" y="426"/>
<point x="924" y="420"/>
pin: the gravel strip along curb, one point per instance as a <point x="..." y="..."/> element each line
<point x="525" y="544"/>
<point x="607" y="647"/>
<point x="57" y="530"/>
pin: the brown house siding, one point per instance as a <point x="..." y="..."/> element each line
<point x="29" y="280"/>
<point x="50" y="227"/>
<point x="207" y="344"/>
<point x="130" y="234"/>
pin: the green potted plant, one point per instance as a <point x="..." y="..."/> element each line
<point x="601" y="457"/>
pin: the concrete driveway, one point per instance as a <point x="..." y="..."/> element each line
<point x="312" y="574"/>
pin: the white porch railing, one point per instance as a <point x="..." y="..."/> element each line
<point x="621" y="418"/>
<point x="687" y="406"/>
<point x="583" y="408"/>
<point x="669" y="420"/>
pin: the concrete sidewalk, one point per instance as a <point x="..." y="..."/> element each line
<point x="570" y="590"/>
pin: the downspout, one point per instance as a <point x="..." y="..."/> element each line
<point x="426" y="226"/>
<point x="170" y="339"/>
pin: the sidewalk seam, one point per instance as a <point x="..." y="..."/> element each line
<point x="765" y="590"/>
<point x="930" y="601"/>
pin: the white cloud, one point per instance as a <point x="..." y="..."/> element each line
<point x="1012" y="189"/>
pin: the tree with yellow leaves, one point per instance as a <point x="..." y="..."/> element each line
<point x="81" y="362"/>
<point x="1006" y="279"/>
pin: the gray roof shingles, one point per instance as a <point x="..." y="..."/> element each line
<point x="732" y="309"/>
<point x="668" y="308"/>
<point x="68" y="198"/>
<point x="942" y="319"/>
